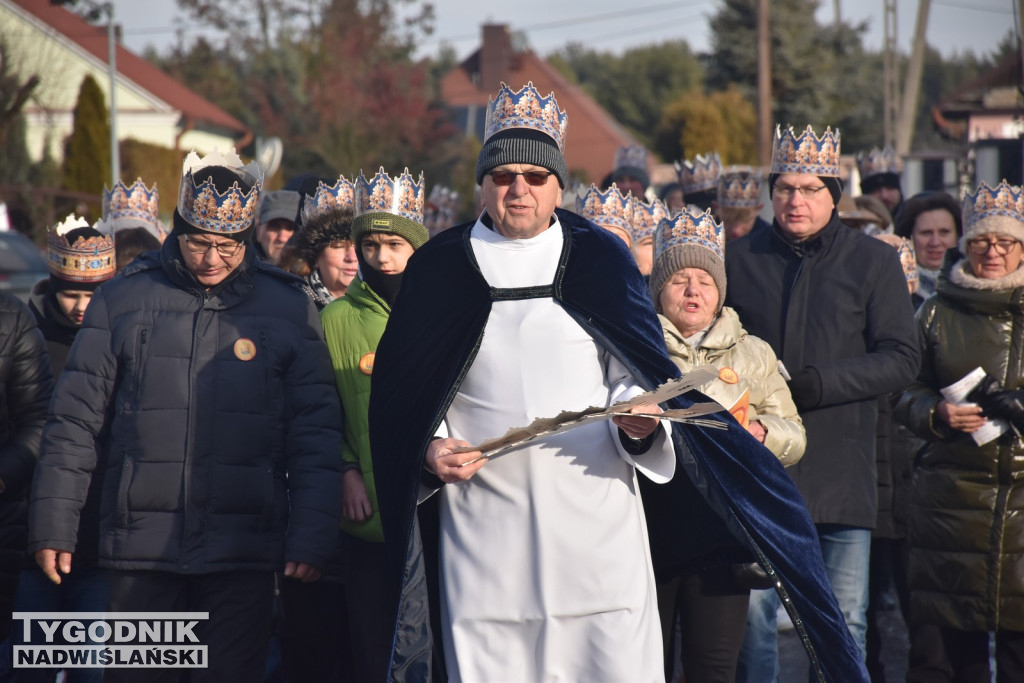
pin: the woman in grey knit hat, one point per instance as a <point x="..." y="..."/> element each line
<point x="708" y="593"/>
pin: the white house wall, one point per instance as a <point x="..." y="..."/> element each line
<point x="61" y="64"/>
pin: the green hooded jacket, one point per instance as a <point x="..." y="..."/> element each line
<point x="353" y="326"/>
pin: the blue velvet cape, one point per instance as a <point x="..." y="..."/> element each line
<point x="430" y="342"/>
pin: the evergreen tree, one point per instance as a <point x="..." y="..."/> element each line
<point x="87" y="151"/>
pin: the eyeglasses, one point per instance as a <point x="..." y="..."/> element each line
<point x="787" y="191"/>
<point x="201" y="247"/>
<point x="506" y="178"/>
<point x="980" y="247"/>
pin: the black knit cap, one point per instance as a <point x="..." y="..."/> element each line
<point x="223" y="178"/>
<point x="522" y="146"/>
<point x="873" y="183"/>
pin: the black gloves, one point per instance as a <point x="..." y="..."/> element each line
<point x="806" y="388"/>
<point x="1007" y="405"/>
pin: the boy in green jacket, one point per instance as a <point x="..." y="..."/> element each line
<point x="387" y="229"/>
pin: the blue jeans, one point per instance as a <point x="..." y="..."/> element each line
<point x="846" y="552"/>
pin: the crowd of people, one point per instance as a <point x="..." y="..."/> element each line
<point x="272" y="413"/>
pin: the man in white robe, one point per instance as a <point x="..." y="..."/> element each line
<point x="545" y="568"/>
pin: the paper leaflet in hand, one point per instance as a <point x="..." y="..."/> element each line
<point x="957" y="393"/>
<point x="546" y="426"/>
<point x="741" y="409"/>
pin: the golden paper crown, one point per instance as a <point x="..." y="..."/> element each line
<point x="690" y="228"/>
<point x="701" y="174"/>
<point x="806" y="153"/>
<point x="203" y="206"/>
<point x="739" y="187"/>
<point x="88" y="260"/>
<point x="327" y="198"/>
<point x="441" y="209"/>
<point x="401" y="196"/>
<point x="646" y="218"/>
<point x="607" y="208"/>
<point x="908" y="260"/>
<point x="525" y="108"/>
<point x="879" y="161"/>
<point x="130" y="207"/>
<point x="998" y="209"/>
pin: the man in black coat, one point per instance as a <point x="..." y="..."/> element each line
<point x="201" y="378"/>
<point x="833" y="305"/>
<point x="26" y="384"/>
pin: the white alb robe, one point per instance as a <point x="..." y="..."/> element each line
<point x="545" y="565"/>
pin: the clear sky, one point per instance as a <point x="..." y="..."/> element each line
<point x="953" y="25"/>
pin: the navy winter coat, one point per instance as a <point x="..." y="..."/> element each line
<point x="215" y="413"/>
<point x="836" y="303"/>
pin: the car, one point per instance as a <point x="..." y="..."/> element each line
<point x="22" y="264"/>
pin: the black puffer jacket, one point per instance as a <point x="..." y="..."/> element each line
<point x="966" y="530"/>
<point x="26" y="384"/>
<point x="835" y="306"/>
<point x="216" y="414"/>
<point x="25" y="388"/>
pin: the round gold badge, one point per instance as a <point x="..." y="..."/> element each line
<point x="366" y="363"/>
<point x="728" y="375"/>
<point x="245" y="349"/>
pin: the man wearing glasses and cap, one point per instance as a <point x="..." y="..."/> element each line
<point x="201" y="379"/>
<point x="535" y="565"/>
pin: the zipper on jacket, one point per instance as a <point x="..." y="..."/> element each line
<point x="127" y="469"/>
<point x="140" y="364"/>
<point x="186" y="464"/>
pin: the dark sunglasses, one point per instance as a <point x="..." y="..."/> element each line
<point x="506" y="178"/>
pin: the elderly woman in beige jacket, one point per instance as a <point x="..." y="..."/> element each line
<point x="688" y="288"/>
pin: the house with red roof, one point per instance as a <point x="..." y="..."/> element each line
<point x="593" y="135"/>
<point x="62" y="48"/>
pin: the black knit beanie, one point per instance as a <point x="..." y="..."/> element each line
<point x="876" y="182"/>
<point x="522" y="146"/>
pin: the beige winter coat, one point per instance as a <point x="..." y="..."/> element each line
<point x="727" y="345"/>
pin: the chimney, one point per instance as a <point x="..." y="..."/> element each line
<point x="495" y="56"/>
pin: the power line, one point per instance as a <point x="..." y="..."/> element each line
<point x="982" y="8"/>
<point x="578" y="20"/>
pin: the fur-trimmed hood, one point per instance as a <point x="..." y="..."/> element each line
<point x="316" y="234"/>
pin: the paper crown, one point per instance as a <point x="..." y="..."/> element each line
<point x="701" y="174"/>
<point x="608" y="208"/>
<point x="998" y="209"/>
<point x="908" y="259"/>
<point x="879" y="161"/>
<point x="806" y="153"/>
<point x="88" y="260"/>
<point x="631" y="156"/>
<point x="329" y="197"/>
<point x="130" y="207"/>
<point x="739" y="187"/>
<point x="441" y="209"/>
<point x="207" y="209"/>
<point x="646" y="218"/>
<point x="401" y="196"/>
<point x="690" y="228"/>
<point x="525" y="108"/>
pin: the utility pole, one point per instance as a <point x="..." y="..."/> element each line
<point x="912" y="84"/>
<point x="115" y="151"/>
<point x="890" y="75"/>
<point x="764" y="86"/>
